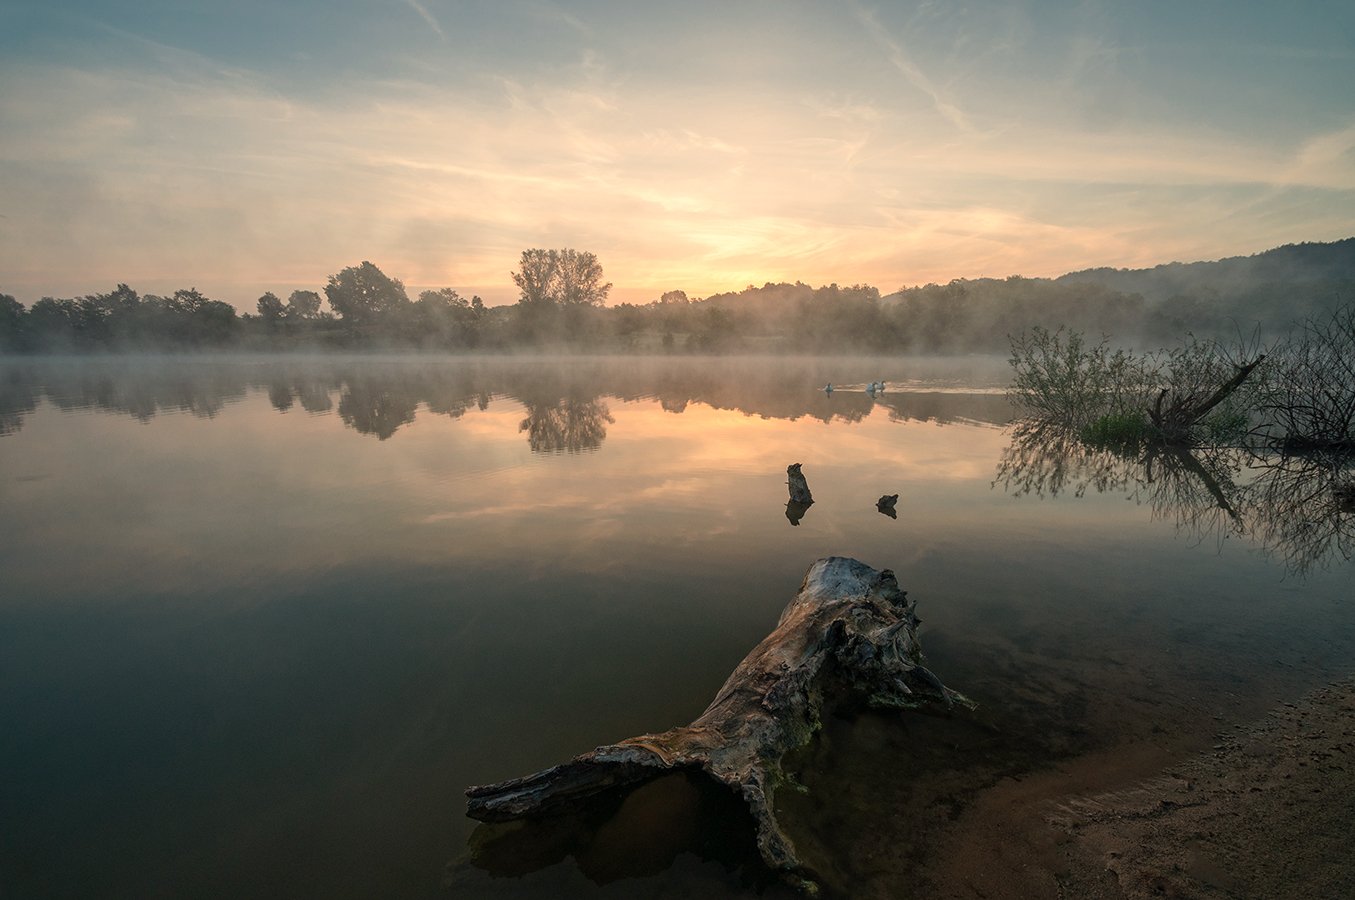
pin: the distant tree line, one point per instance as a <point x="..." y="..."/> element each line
<point x="562" y="296"/>
<point x="119" y="318"/>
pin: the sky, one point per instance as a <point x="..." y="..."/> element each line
<point x="263" y="145"/>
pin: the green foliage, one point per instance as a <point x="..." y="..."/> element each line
<point x="364" y="295"/>
<point x="560" y="277"/>
<point x="1126" y="430"/>
<point x="1220" y="298"/>
<point x="270" y="308"/>
<point x="562" y="293"/>
<point x="978" y="315"/>
<point x="1297" y="397"/>
<point x="1228" y="424"/>
<point x="536" y="276"/>
<point x="302" y="306"/>
<point x="715" y="331"/>
<point x="122" y="319"/>
<point x="1061" y="379"/>
<point x="834" y="318"/>
<point x="1194" y="368"/>
<point x="1112" y="398"/>
<point x="11" y="321"/>
<point x="56" y="321"/>
<point x="1307" y="399"/>
<point x="444" y="318"/>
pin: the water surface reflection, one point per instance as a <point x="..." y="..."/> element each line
<point x="1294" y="506"/>
<point x="565" y="400"/>
<point x="262" y="621"/>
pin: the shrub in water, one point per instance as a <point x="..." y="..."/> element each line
<point x="1117" y="430"/>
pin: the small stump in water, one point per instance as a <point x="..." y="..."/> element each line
<point x="799" y="488"/>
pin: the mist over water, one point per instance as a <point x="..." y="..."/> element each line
<point x="263" y="619"/>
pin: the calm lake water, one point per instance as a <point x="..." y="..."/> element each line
<point x="263" y="620"/>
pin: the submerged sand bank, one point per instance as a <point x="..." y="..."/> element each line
<point x="924" y="807"/>
<point x="1267" y="812"/>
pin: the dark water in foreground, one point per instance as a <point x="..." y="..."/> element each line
<point x="262" y="621"/>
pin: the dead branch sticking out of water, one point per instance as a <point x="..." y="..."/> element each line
<point x="849" y="634"/>
<point x="1176" y="422"/>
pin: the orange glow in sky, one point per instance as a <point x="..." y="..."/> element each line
<point x="699" y="148"/>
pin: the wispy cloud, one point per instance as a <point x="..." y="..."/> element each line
<point x="1326" y="159"/>
<point x="902" y="61"/>
<point x="553" y="12"/>
<point x="165" y="166"/>
<point x="427" y="17"/>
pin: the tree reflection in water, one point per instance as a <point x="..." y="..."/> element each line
<point x="565" y="401"/>
<point x="18" y="397"/>
<point x="372" y="405"/>
<point x="566" y="425"/>
<point x="1292" y="506"/>
<point x="280" y="396"/>
<point x="1309" y="514"/>
<point x="314" y="395"/>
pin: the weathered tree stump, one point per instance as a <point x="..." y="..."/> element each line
<point x="799" y="488"/>
<point x="849" y="634"/>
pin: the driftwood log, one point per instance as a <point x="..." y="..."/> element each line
<point x="850" y="634"/>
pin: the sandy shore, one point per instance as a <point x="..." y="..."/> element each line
<point x="1268" y="812"/>
<point x="952" y="809"/>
